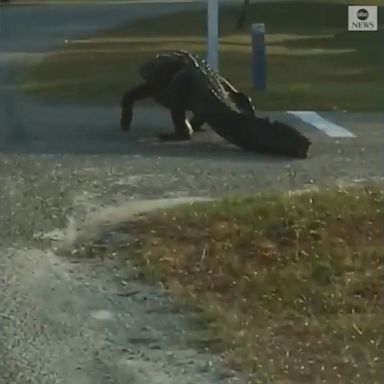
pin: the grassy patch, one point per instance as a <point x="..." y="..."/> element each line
<point x="290" y="283"/>
<point x="58" y="2"/>
<point x="313" y="62"/>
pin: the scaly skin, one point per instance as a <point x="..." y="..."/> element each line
<point x="182" y="82"/>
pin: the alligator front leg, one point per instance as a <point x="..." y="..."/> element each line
<point x="129" y="98"/>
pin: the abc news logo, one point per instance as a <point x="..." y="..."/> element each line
<point x="362" y="18"/>
<point x="363" y="14"/>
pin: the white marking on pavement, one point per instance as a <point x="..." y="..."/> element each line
<point x="329" y="128"/>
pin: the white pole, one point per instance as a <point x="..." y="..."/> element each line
<point x="213" y="33"/>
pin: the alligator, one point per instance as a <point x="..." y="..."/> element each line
<point x="181" y="82"/>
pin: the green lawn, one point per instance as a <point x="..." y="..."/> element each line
<point x="313" y="62"/>
<point x="289" y="284"/>
<point x="28" y="2"/>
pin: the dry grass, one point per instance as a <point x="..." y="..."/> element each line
<point x="290" y="284"/>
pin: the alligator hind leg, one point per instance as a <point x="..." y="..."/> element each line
<point x="242" y="101"/>
<point x="196" y="124"/>
<point x="129" y="98"/>
<point x="183" y="130"/>
<point x="179" y="94"/>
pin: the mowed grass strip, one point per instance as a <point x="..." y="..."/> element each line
<point x="313" y="61"/>
<point x="358" y="2"/>
<point x="289" y="283"/>
<point x="60" y="2"/>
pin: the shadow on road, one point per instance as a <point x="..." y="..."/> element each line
<point x="135" y="145"/>
<point x="42" y="129"/>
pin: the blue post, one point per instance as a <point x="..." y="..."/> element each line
<point x="259" y="59"/>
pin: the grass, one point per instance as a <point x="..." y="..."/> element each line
<point x="313" y="62"/>
<point x="28" y="2"/>
<point x="290" y="283"/>
<point x="350" y="2"/>
<point x="359" y="2"/>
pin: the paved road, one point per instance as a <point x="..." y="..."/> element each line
<point x="65" y="171"/>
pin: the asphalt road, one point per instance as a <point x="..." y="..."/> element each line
<point x="65" y="171"/>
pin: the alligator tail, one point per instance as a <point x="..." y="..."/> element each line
<point x="259" y="135"/>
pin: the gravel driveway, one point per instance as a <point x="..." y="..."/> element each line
<point x="63" y="167"/>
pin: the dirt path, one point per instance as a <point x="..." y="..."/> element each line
<point x="85" y="323"/>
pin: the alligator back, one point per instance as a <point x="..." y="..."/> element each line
<point x="160" y="71"/>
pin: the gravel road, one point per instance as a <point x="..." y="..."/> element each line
<point x="63" y="167"/>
